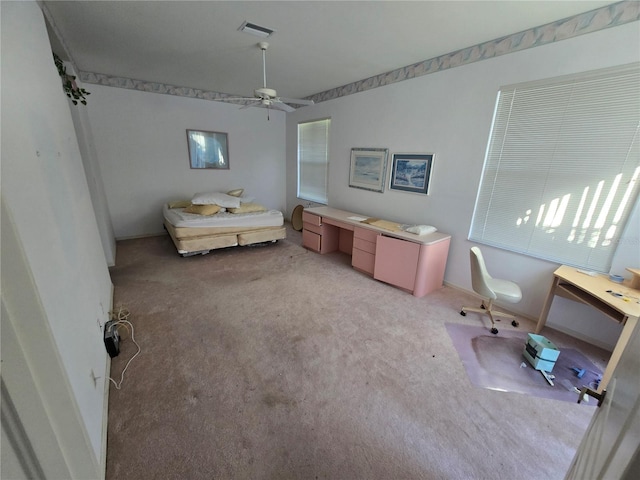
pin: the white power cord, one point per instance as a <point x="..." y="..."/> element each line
<point x="121" y="317"/>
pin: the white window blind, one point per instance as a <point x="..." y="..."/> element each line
<point x="313" y="160"/>
<point x="562" y="167"/>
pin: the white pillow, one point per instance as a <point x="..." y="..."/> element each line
<point x="216" y="198"/>
<point x="236" y="193"/>
<point x="421" y="229"/>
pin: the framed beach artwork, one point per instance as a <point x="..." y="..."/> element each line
<point x="208" y="149"/>
<point x="411" y="172"/>
<point x="368" y="168"/>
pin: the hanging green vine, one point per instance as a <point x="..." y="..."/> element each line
<point x="69" y="85"/>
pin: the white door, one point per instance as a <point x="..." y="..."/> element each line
<point x="612" y="440"/>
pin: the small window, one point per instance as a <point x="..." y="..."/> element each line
<point x="313" y="160"/>
<point x="562" y="167"/>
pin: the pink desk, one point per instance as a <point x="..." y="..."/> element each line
<point x="414" y="263"/>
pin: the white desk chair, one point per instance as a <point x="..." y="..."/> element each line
<point x="492" y="289"/>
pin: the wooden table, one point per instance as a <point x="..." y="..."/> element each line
<point x="620" y="302"/>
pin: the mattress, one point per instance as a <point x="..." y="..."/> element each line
<point x="198" y="234"/>
<point x="178" y="218"/>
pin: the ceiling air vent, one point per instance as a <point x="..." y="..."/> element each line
<point x="256" y="30"/>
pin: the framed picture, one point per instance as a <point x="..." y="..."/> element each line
<point x="411" y="172"/>
<point x="368" y="168"/>
<point x="208" y="149"/>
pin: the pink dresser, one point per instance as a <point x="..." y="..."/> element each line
<point x="414" y="263"/>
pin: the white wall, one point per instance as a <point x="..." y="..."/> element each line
<point x="449" y="113"/>
<point x="141" y="146"/>
<point x="44" y="190"/>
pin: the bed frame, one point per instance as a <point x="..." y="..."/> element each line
<point x="201" y="240"/>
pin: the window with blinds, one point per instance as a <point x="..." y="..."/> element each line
<point x="313" y="160"/>
<point x="561" y="169"/>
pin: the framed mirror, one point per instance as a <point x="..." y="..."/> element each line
<point x="208" y="149"/>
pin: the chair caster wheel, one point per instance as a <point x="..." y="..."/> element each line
<point x="515" y="323"/>
<point x="494" y="331"/>
<point x="463" y="313"/>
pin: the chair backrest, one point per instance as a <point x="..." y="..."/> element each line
<point x="479" y="274"/>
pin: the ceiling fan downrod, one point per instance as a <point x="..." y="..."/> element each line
<point x="264" y="93"/>
<point x="263" y="46"/>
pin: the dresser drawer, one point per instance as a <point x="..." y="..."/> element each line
<point x="337" y="223"/>
<point x="365" y="234"/>
<point x="360" y="244"/>
<point x="363" y="261"/>
<point x="311" y="240"/>
<point x="319" y="229"/>
<point x="311" y="218"/>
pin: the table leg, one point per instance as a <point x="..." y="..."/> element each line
<point x="547" y="305"/>
<point x="621" y="344"/>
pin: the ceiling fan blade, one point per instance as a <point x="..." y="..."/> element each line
<point x="296" y="101"/>
<point x="256" y="103"/>
<point x="237" y="99"/>
<point x="282" y="106"/>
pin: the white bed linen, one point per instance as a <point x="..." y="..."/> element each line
<point x="177" y="217"/>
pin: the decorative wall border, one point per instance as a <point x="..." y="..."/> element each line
<point x="606" y="17"/>
<point x="154" y="87"/>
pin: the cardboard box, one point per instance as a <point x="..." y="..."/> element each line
<point x="540" y="352"/>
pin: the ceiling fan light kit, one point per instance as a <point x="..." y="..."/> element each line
<point x="266" y="97"/>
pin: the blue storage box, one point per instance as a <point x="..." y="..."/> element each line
<point x="540" y="352"/>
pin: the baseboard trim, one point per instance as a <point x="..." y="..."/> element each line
<point x="105" y="404"/>
<point x="145" y="235"/>
<point x="580" y="336"/>
<point x="506" y="307"/>
<point x="561" y="329"/>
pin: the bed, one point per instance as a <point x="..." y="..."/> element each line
<point x="198" y="234"/>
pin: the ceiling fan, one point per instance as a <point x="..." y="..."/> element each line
<point x="267" y="97"/>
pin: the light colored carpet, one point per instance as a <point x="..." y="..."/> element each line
<point x="278" y="363"/>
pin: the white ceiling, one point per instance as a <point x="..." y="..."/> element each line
<point x="316" y="45"/>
